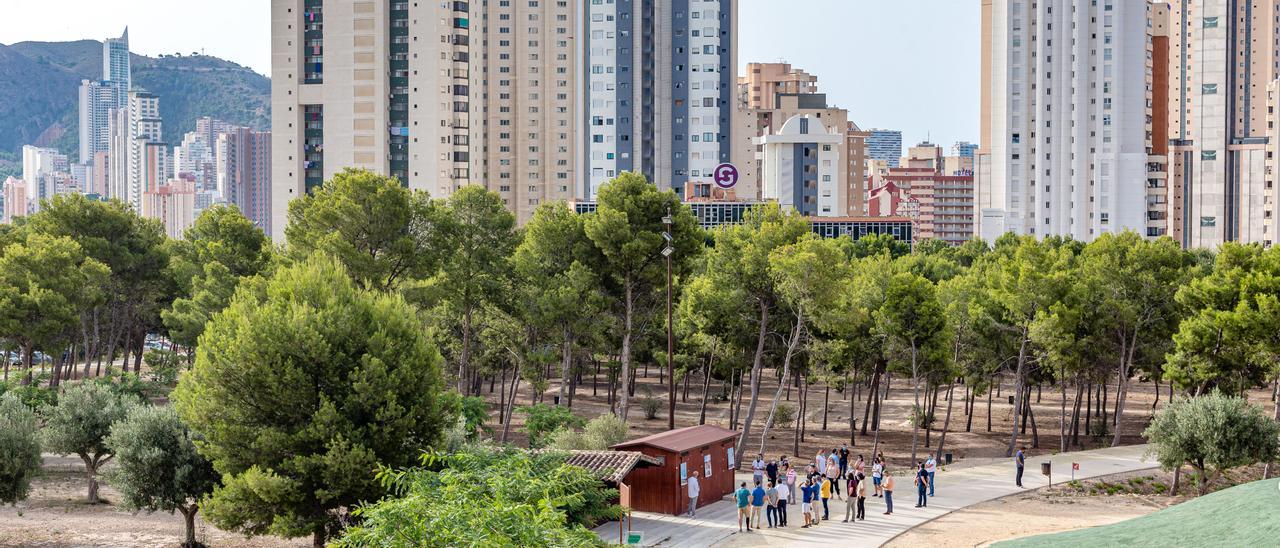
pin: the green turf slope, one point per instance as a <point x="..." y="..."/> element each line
<point x="1244" y="515"/>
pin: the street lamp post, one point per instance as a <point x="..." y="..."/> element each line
<point x="671" y="341"/>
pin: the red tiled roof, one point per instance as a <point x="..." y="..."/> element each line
<point x="682" y="439"/>
<point x="612" y="466"/>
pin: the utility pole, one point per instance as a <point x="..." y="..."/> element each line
<point x="671" y="340"/>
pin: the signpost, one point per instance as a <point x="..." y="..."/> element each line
<point x="1074" y="466"/>
<point x="725" y="176"/>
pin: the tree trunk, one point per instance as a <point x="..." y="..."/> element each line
<point x="1062" y="420"/>
<point x="826" y="405"/>
<point x="853" y="420"/>
<point x="875" y="389"/>
<point x="756" y="367"/>
<point x="988" y="409"/>
<point x="792" y="344"/>
<point x="946" y="423"/>
<point x="1177" y="480"/>
<point x="706" y="385"/>
<point x="566" y="364"/>
<point x="1017" y="390"/>
<point x="189" y="520"/>
<point x="1266" y="470"/>
<point x="1122" y="390"/>
<point x="628" y="303"/>
<point x="91" y="470"/>
<point x="917" y="411"/>
<point x="511" y="405"/>
<point x="802" y="393"/>
<point x="1031" y="414"/>
<point x="1075" y="415"/>
<point x="970" y="395"/>
<point x="318" y="537"/>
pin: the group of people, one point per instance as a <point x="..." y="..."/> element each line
<point x="777" y="484"/>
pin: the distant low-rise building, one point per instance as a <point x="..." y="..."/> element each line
<point x="173" y="204"/>
<point x="15" y="200"/>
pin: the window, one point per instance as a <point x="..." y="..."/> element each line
<point x="1208" y="155"/>
<point x="1210" y="22"/>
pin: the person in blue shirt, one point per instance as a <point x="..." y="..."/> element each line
<point x="757" y="505"/>
<point x="1020" y="461"/>
<point x="743" y="496"/>
<point x="806" y="493"/>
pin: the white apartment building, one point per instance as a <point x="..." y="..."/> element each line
<point x="1064" y="108"/>
<point x="659" y="90"/>
<point x="800" y="167"/>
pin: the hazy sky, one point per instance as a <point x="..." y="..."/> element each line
<point x="896" y="64"/>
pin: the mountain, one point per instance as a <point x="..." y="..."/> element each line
<point x="40" y="83"/>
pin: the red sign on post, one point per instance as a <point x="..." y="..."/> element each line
<point x="1075" y="466"/>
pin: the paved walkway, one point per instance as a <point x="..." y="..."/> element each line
<point x="717" y="523"/>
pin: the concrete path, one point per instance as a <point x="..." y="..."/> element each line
<point x="717" y="523"/>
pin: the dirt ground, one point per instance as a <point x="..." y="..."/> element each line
<point x="978" y="446"/>
<point x="56" y="516"/>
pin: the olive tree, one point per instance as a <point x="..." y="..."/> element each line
<point x="80" y="423"/>
<point x="1212" y="433"/>
<point x="157" y="466"/>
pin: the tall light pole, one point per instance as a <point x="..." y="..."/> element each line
<point x="671" y="340"/>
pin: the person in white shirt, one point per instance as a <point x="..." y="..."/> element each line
<point x="784" y="495"/>
<point x="931" y="466"/>
<point x="757" y="468"/>
<point x="877" y="473"/>
<point x="694" y="490"/>
<point x="833" y="473"/>
<point x="820" y="462"/>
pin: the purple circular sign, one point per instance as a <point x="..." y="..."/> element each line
<point x="725" y="176"/>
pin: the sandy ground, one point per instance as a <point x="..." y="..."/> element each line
<point x="56" y="516"/>
<point x="1037" y="512"/>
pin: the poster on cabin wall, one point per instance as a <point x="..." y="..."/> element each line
<point x="684" y="473"/>
<point x="733" y="463"/>
<point x="706" y="465"/>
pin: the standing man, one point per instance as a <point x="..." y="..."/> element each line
<point x="694" y="490"/>
<point x="922" y="484"/>
<point x="931" y="466"/>
<point x="807" y="506"/>
<point x="757" y="469"/>
<point x="771" y="505"/>
<point x="888" y="485"/>
<point x="877" y="475"/>
<point x="820" y="461"/>
<point x="1020" y="461"/>
<point x="743" y="497"/>
<point x="862" y="497"/>
<point x="844" y="459"/>
<point x="757" y="504"/>
<point x="771" y="470"/>
<point x="825" y="493"/>
<point x="784" y="497"/>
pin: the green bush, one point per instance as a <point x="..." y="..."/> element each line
<point x="650" y="405"/>
<point x="34" y="395"/>
<point x="164" y="366"/>
<point x="486" y="496"/>
<point x="784" y="415"/>
<point x="543" y="419"/>
<point x="19" y="448"/>
<point x="600" y="433"/>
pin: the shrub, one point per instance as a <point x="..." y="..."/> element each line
<point x="164" y="366"/>
<point x="650" y="405"/>
<point x="543" y="419"/>
<point x="784" y="415"/>
<point x="80" y="422"/>
<point x="486" y="496"/>
<point x="600" y="433"/>
<point x="19" y="449"/>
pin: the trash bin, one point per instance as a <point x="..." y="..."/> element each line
<point x="1045" y="468"/>
<point x="556" y="399"/>
<point x="948" y="458"/>
<point x="1010" y="400"/>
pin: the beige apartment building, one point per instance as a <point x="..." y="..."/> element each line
<point x="436" y="94"/>
<point x="764" y="82"/>
<point x="779" y="93"/>
<point x="1222" y="63"/>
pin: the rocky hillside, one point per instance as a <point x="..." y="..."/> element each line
<point x="40" y="83"/>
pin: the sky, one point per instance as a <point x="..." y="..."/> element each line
<point x="910" y="65"/>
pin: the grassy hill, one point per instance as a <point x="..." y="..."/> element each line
<point x="40" y="82"/>
<point x="1240" y="516"/>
